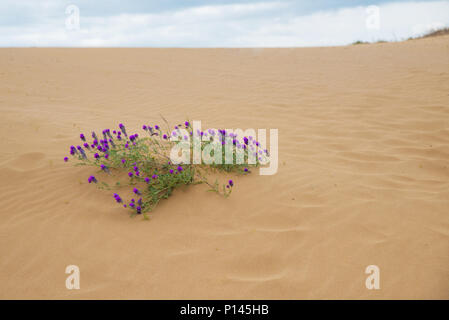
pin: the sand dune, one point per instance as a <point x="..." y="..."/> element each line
<point x="363" y="176"/>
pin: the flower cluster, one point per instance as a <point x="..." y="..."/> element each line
<point x="145" y="162"/>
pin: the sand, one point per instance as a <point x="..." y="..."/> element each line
<point x="363" y="173"/>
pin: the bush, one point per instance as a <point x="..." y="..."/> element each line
<point x="145" y="162"/>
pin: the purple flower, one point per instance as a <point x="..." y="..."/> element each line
<point x="82" y="137"/>
<point x="154" y="176"/>
<point x="66" y="159"/>
<point x="82" y="153"/>
<point x="122" y="128"/>
<point x="94" y="136"/>
<point x="144" y="127"/>
<point x="97" y="156"/>
<point x="123" y="161"/>
<point x="136" y="168"/>
<point x="156" y="127"/>
<point x="106" y="155"/>
<point x="131" y="204"/>
<point x="139" y="210"/>
<point x="136" y="191"/>
<point x="117" y="198"/>
<point x="147" y="180"/>
<point x="179" y="168"/>
<point x="92" y="179"/>
<point x="130" y="174"/>
<point x="245" y="139"/>
<point x="231" y="183"/>
<point x="187" y="124"/>
<point x="171" y="171"/>
<point x="104" y="168"/>
<point x="86" y="145"/>
<point x="246" y="170"/>
<point x="164" y="136"/>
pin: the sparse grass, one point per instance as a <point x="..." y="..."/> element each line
<point x="366" y="42"/>
<point x="432" y="33"/>
<point x="359" y="42"/>
<point x="435" y="33"/>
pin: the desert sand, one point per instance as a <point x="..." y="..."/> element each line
<point x="363" y="173"/>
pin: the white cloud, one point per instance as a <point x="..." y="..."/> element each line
<point x="263" y="24"/>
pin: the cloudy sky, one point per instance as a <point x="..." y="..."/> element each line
<point x="214" y="23"/>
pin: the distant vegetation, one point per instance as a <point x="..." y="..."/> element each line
<point x="366" y="42"/>
<point x="435" y="33"/>
<point x="360" y="42"/>
<point x="432" y="33"/>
